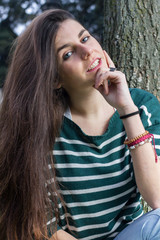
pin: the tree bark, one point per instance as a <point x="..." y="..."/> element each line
<point x="132" y="38"/>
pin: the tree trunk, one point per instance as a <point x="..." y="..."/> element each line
<point x="132" y="38"/>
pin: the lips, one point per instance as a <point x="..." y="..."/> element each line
<point x="94" y="65"/>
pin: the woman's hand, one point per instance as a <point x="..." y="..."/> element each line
<point x="113" y="86"/>
<point x="117" y="94"/>
<point x="62" y="235"/>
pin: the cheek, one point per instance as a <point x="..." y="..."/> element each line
<point x="66" y="73"/>
<point x="97" y="45"/>
<point x="66" y="70"/>
<point x="71" y="68"/>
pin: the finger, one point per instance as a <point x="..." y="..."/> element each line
<point x="103" y="88"/>
<point x="113" y="77"/>
<point x="100" y="78"/>
<point x="108" y="60"/>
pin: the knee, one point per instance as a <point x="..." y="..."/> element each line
<point x="151" y="229"/>
<point x="155" y="212"/>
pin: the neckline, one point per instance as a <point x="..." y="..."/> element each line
<point x="114" y="117"/>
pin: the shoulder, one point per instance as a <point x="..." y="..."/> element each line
<point x="142" y="97"/>
<point x="148" y="105"/>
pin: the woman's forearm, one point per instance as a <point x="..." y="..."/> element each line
<point x="147" y="172"/>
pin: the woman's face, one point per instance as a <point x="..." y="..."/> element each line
<point x="79" y="56"/>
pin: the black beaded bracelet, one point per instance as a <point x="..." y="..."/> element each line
<point x="129" y="115"/>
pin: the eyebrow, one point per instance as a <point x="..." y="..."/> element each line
<point x="67" y="44"/>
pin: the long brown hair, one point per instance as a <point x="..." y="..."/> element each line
<point x="30" y="119"/>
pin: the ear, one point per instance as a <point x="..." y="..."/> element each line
<point x="59" y="86"/>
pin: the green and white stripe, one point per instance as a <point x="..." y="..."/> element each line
<point x="96" y="176"/>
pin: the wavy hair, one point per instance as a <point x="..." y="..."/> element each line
<point x="31" y="114"/>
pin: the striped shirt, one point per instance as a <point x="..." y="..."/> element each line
<point x="96" y="175"/>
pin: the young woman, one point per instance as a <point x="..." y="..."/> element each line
<point x="67" y="170"/>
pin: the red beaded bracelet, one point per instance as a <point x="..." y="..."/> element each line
<point x="140" y="140"/>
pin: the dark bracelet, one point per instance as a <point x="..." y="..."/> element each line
<point x="129" y="115"/>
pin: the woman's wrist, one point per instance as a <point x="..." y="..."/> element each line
<point x="129" y="115"/>
<point x="127" y="110"/>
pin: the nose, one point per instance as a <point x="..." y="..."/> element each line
<point x="85" y="52"/>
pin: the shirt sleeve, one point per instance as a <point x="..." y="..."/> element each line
<point x="149" y="107"/>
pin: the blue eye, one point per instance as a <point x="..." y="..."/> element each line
<point x="67" y="55"/>
<point x="85" y="39"/>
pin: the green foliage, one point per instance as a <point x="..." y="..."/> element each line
<point x="12" y="13"/>
<point x="146" y="208"/>
<point x="6" y="38"/>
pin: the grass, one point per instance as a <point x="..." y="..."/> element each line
<point x="146" y="208"/>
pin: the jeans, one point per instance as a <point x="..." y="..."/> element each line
<point x="146" y="227"/>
